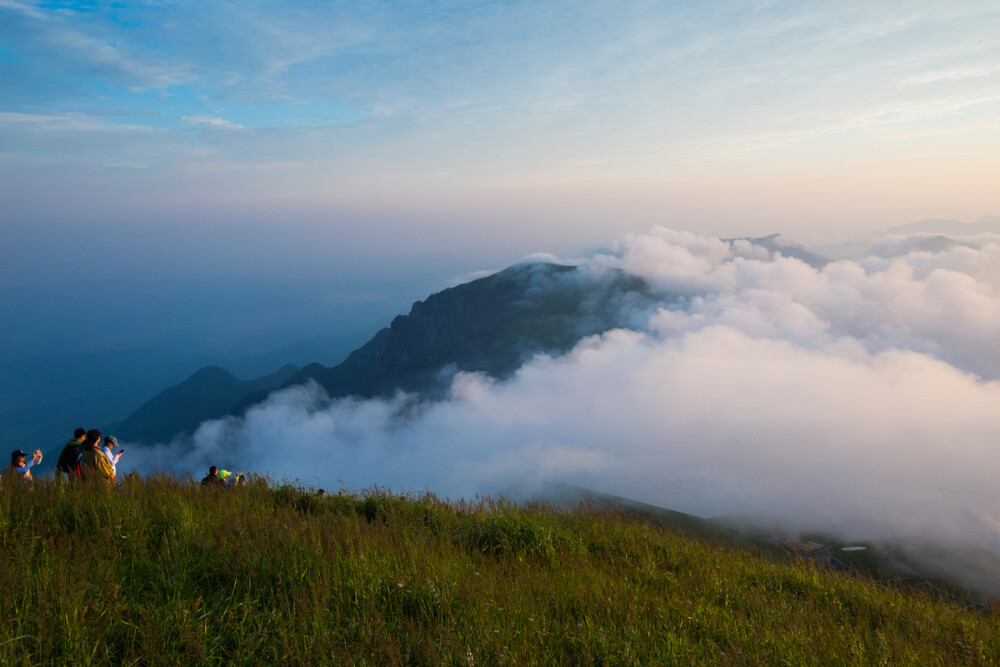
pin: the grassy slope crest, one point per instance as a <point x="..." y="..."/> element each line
<point x="164" y="572"/>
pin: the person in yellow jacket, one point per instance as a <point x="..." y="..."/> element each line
<point x="94" y="465"/>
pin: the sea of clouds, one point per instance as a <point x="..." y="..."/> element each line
<point x="858" y="396"/>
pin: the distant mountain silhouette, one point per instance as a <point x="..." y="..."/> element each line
<point x="329" y="349"/>
<point x="210" y="393"/>
<point x="929" y="243"/>
<point x="776" y="243"/>
<point x="986" y="224"/>
<point x="491" y="325"/>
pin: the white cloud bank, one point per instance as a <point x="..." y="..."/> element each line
<point x="862" y="396"/>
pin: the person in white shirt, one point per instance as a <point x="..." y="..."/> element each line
<point x="110" y="442"/>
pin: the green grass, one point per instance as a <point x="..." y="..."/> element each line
<point x="164" y="572"/>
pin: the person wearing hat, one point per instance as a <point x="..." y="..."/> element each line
<point x="94" y="465"/>
<point x="110" y="442"/>
<point x="21" y="468"/>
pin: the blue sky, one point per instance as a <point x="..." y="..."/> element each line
<point x="368" y="143"/>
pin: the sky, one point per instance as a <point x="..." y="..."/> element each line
<point x="188" y="154"/>
<point x="223" y="178"/>
<point x="299" y="135"/>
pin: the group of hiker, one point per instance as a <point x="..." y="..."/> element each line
<point x="90" y="456"/>
<point x="223" y="478"/>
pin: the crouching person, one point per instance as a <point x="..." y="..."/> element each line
<point x="212" y="478"/>
<point x="94" y="465"/>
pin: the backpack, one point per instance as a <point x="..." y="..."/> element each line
<point x="67" y="460"/>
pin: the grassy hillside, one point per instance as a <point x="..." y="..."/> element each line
<point x="162" y="572"/>
<point x="567" y="497"/>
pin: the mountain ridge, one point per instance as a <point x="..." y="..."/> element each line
<point x="492" y="324"/>
<point x="208" y="393"/>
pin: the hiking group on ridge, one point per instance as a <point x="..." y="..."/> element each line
<point x="84" y="458"/>
<point x="222" y="478"/>
<point x="81" y="458"/>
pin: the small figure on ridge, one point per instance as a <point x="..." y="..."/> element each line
<point x="212" y="477"/>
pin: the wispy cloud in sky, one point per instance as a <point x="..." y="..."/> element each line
<point x="622" y="81"/>
<point x="210" y="121"/>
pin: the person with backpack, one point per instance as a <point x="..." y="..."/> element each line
<point x="94" y="465"/>
<point x="66" y="465"/>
